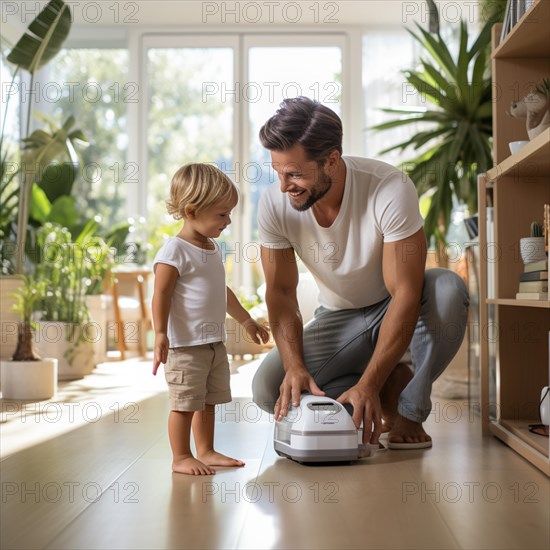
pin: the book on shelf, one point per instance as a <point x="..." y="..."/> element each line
<point x="533" y="286"/>
<point x="534" y="276"/>
<point x="532" y="296"/>
<point x="540" y="265"/>
<point x="506" y="24"/>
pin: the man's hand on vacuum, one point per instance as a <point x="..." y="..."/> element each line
<point x="296" y="380"/>
<point x="366" y="407"/>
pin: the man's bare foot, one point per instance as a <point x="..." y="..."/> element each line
<point x="213" y="458"/>
<point x="408" y="434"/>
<point x="389" y="396"/>
<point x="190" y="465"/>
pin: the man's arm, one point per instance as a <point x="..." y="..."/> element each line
<point x="403" y="266"/>
<point x="281" y="276"/>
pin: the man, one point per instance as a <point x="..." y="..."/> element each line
<point x="356" y="225"/>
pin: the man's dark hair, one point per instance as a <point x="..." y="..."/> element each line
<point x="300" y="120"/>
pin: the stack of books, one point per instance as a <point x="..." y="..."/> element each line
<point x="533" y="282"/>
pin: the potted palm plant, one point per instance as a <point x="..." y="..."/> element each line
<point x="27" y="375"/>
<point x="454" y="144"/>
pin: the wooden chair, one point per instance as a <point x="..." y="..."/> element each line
<point x="131" y="308"/>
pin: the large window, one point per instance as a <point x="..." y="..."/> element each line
<point x="207" y="98"/>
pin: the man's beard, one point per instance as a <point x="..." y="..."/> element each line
<point x="320" y="189"/>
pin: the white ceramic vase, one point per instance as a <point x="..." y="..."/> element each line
<point x="29" y="379"/>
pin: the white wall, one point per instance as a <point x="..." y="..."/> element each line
<point x="321" y="14"/>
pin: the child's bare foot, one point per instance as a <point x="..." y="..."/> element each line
<point x="190" y="465"/>
<point x="213" y="458"/>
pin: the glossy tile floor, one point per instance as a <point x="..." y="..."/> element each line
<point x="100" y="478"/>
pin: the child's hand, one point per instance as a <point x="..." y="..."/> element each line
<point x="258" y="333"/>
<point x="161" y="351"/>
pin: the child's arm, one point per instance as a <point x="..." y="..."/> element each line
<point x="257" y="332"/>
<point x="165" y="281"/>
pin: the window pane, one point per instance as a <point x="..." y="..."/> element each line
<point x="10" y="128"/>
<point x="92" y="85"/>
<point x="277" y="73"/>
<point x="384" y="57"/>
<point x="182" y="126"/>
<point x="11" y="100"/>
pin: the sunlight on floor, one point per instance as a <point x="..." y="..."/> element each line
<point x="114" y="388"/>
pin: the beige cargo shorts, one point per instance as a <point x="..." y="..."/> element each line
<point x="197" y="376"/>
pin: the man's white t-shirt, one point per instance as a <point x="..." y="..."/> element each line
<point x="199" y="301"/>
<point x="380" y="204"/>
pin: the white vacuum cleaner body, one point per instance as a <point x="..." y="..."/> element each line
<point x="319" y="430"/>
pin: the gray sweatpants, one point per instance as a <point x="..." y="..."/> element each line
<point x="338" y="346"/>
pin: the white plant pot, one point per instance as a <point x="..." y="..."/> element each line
<point x="72" y="345"/>
<point x="9" y="320"/>
<point x="29" y="379"/>
<point x="532" y="249"/>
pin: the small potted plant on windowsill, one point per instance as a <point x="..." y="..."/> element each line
<point x="532" y="248"/>
<point x="27" y="375"/>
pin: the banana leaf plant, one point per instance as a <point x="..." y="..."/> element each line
<point x="41" y="42"/>
<point x="454" y="144"/>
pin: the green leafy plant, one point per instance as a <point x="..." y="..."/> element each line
<point x="42" y="41"/>
<point x="455" y="145"/>
<point x="70" y="269"/>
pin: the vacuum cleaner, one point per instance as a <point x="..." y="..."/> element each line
<point x="320" y="430"/>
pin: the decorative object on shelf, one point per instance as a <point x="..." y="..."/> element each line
<point x="515" y="146"/>
<point x="535" y="107"/>
<point x="532" y="248"/>
<point x="27" y="375"/>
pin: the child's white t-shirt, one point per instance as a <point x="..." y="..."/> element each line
<point x="380" y="204"/>
<point x="199" y="301"/>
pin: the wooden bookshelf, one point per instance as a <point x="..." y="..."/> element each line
<point x="516" y="339"/>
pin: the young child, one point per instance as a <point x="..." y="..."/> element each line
<point x="189" y="306"/>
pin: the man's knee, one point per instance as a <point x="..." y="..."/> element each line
<point x="264" y="391"/>
<point x="449" y="292"/>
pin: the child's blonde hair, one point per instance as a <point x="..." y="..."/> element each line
<point x="198" y="186"/>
